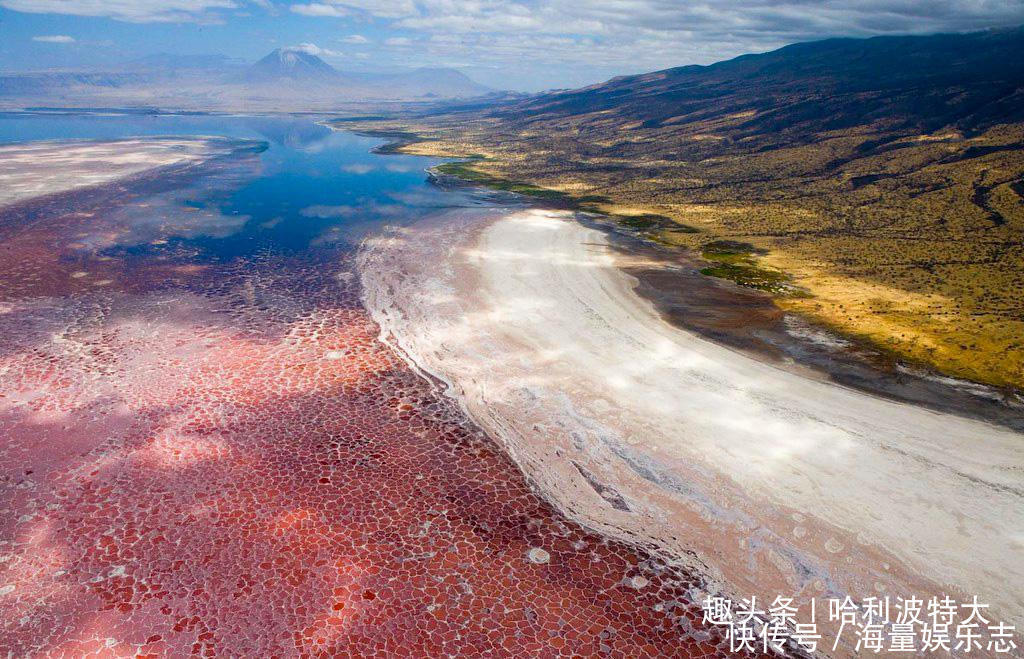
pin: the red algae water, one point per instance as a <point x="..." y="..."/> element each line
<point x="206" y="450"/>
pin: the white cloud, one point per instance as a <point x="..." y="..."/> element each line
<point x="313" y="49"/>
<point x="54" y="38"/>
<point x="324" y="212"/>
<point x="378" y="8"/>
<point x="358" y="169"/>
<point x="748" y="21"/>
<point x="139" y="11"/>
<point x="609" y="37"/>
<point x="557" y="42"/>
<point x="319" y="9"/>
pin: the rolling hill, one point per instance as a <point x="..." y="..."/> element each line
<point x="917" y="83"/>
<point x="873" y="185"/>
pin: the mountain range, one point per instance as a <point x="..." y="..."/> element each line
<point x="286" y="79"/>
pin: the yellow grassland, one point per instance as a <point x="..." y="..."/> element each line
<point x="918" y="248"/>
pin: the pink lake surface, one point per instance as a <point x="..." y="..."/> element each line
<point x="216" y="456"/>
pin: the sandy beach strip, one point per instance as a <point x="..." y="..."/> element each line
<point x="767" y="482"/>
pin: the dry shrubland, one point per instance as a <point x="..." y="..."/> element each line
<point x="898" y="223"/>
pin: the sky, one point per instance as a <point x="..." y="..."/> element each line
<point x="524" y="45"/>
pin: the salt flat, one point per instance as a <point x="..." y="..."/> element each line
<point x="767" y="481"/>
<point x="42" y="168"/>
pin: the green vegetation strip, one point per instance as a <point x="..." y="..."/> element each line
<point x="736" y="262"/>
<point x="465" y="171"/>
<point x="732" y="260"/>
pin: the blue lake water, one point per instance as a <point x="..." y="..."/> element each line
<point x="312" y="186"/>
<point x="195" y="406"/>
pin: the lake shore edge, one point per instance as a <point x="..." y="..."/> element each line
<point x="605" y="464"/>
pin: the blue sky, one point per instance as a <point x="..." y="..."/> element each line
<point x="524" y="44"/>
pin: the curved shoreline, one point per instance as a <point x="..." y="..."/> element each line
<point x="781" y="484"/>
<point x="751" y="321"/>
<point x="199" y="422"/>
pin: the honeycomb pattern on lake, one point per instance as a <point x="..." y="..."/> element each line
<point x="213" y="459"/>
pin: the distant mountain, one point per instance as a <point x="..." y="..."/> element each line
<point x="437" y="82"/>
<point x="64" y="82"/>
<point x="296" y="67"/>
<point x="286" y="79"/>
<point x="292" y="65"/>
<point x="172" y="62"/>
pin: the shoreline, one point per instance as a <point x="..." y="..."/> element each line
<point x="170" y="380"/>
<point x="37" y="171"/>
<point x="751" y="322"/>
<point x="645" y="461"/>
<point x="766" y="331"/>
<point x="897" y="362"/>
